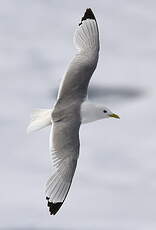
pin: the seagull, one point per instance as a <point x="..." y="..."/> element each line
<point x="72" y="108"/>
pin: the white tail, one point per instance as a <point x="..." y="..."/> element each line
<point x="40" y="118"/>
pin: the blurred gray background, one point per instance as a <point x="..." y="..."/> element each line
<point x="114" y="187"/>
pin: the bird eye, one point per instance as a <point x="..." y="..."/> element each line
<point x="105" y="111"/>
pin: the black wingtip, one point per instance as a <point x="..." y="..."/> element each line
<point x="88" y="15"/>
<point x="53" y="207"/>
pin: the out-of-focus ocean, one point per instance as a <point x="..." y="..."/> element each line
<point x="114" y="187"/>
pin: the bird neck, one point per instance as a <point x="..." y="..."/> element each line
<point x="89" y="112"/>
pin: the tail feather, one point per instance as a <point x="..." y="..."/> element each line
<point x="40" y="118"/>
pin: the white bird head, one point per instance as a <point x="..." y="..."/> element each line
<point x="104" y="112"/>
<point x="92" y="112"/>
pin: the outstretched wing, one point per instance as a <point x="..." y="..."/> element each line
<point x="66" y="113"/>
<point x="86" y="40"/>
<point x="65" y="150"/>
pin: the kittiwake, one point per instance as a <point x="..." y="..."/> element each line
<point x="71" y="109"/>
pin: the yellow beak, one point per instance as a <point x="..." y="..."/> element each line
<point x="114" y="115"/>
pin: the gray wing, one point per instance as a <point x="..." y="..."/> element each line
<point x="86" y="40"/>
<point x="65" y="151"/>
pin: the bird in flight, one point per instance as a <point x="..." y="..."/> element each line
<point x="71" y="109"/>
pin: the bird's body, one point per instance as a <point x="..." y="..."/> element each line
<point x="70" y="111"/>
